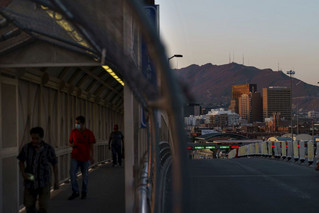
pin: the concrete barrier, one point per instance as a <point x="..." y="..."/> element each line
<point x="277" y="149"/>
<point x="260" y="148"/>
<point x="232" y="154"/>
<point x="311" y="152"/>
<point x="269" y="148"/>
<point x="264" y="148"/>
<point x="283" y="149"/>
<point x="295" y="150"/>
<point x="246" y="150"/>
<point x="302" y="151"/>
<point x="252" y="149"/>
<point x="242" y="151"/>
<point x="290" y="150"/>
<point x="257" y="148"/>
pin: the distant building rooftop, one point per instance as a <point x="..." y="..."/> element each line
<point x="218" y="135"/>
<point x="278" y="87"/>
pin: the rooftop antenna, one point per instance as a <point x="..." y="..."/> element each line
<point x="233" y="56"/>
<point x="279" y="67"/>
<point x="229" y="57"/>
<point x="243" y="59"/>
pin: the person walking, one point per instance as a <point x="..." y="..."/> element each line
<point x="82" y="141"/>
<point x="116" y="143"/>
<point x="35" y="161"/>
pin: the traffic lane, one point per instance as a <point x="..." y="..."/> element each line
<point x="247" y="166"/>
<point x="253" y="185"/>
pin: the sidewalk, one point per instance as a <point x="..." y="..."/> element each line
<point x="105" y="193"/>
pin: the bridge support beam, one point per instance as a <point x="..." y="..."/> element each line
<point x="129" y="149"/>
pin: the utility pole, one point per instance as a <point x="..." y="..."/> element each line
<point x="297" y="120"/>
<point x="291" y="73"/>
<point x="313" y="132"/>
<point x="313" y="118"/>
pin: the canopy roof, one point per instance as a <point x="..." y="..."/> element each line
<point x="70" y="41"/>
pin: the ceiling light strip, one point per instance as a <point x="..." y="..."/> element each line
<point x="110" y="71"/>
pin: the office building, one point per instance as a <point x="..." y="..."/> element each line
<point x="192" y="109"/>
<point x="277" y="100"/>
<point x="237" y="91"/>
<point x="250" y="107"/>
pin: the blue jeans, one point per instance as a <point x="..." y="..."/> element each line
<point x="117" y="154"/>
<point x="84" y="166"/>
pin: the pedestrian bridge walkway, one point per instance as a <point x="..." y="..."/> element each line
<point x="105" y="193"/>
<point x="70" y="62"/>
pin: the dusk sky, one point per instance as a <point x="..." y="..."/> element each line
<point x="263" y="33"/>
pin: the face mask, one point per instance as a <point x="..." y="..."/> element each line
<point x="78" y="126"/>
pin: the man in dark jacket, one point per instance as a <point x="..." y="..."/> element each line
<point x="34" y="161"/>
<point x="116" y="143"/>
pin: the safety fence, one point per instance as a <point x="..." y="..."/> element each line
<point x="153" y="186"/>
<point x="302" y="151"/>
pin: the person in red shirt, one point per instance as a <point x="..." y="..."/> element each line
<point x="82" y="141"/>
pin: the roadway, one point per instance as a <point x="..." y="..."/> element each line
<point x="253" y="185"/>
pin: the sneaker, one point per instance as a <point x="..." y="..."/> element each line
<point x="83" y="195"/>
<point x="73" y="195"/>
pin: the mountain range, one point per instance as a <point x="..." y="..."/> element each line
<point x="211" y="85"/>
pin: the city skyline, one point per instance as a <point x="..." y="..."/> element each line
<point x="274" y="34"/>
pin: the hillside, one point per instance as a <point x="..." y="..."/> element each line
<point x="211" y="85"/>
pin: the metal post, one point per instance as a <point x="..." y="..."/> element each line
<point x="290" y="73"/>
<point x="313" y="132"/>
<point x="297" y="121"/>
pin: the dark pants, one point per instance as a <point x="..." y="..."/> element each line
<point x="117" y="154"/>
<point x="30" y="199"/>
<point x="84" y="166"/>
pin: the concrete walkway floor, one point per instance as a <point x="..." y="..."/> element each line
<point x="105" y="193"/>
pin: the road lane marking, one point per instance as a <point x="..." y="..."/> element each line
<point x="236" y="176"/>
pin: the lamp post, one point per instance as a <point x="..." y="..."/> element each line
<point x="291" y="73"/>
<point x="313" y="130"/>
<point x="176" y="55"/>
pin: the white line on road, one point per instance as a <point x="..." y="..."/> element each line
<point x="236" y="176"/>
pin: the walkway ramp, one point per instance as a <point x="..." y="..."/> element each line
<point x="105" y="193"/>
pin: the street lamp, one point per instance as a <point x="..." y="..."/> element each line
<point x="313" y="130"/>
<point x="290" y="73"/>
<point x="176" y="55"/>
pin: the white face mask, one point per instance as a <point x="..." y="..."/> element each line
<point x="78" y="126"/>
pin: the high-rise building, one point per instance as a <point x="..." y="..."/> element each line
<point x="244" y="107"/>
<point x="237" y="91"/>
<point x="250" y="107"/>
<point x="192" y="109"/>
<point x="256" y="107"/>
<point x="232" y="106"/>
<point x="277" y="100"/>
